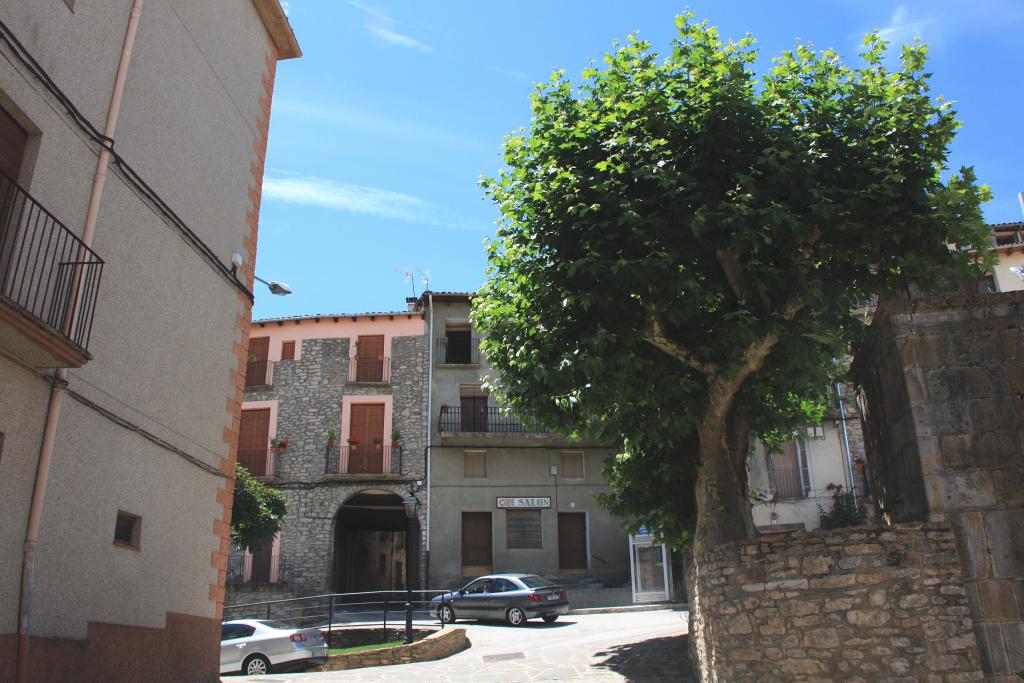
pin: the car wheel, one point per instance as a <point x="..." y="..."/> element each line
<point x="447" y="614"/>
<point x="256" y="665"/>
<point x="550" y="618"/>
<point x="515" y="616"/>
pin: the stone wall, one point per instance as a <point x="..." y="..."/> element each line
<point x="862" y="604"/>
<point x="943" y="382"/>
<point x="435" y="646"/>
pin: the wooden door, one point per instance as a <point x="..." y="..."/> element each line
<point x="261" y="563"/>
<point x="366" y="426"/>
<point x="572" y="542"/>
<point x="256" y="368"/>
<point x="254" y="441"/>
<point x="370" y="359"/>
<point x="473" y="408"/>
<point x="476" y="543"/>
<point x="12" y="146"/>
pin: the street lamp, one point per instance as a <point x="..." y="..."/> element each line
<point x="412" y="507"/>
<point x="278" y="288"/>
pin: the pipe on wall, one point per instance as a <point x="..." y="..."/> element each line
<point x="60" y="379"/>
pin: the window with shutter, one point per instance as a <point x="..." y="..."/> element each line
<point x="473" y="406"/>
<point x="475" y="465"/>
<point x="523" y="530"/>
<point x="572" y="465"/>
<point x="288" y="350"/>
<point x="787" y="471"/>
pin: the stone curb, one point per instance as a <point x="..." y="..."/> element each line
<point x="632" y="608"/>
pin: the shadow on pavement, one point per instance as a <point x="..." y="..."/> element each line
<point x="528" y="625"/>
<point x="655" y="659"/>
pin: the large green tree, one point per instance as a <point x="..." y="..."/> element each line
<point x="257" y="512"/>
<point x="682" y="241"/>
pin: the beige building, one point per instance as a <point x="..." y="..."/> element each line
<point x="123" y="323"/>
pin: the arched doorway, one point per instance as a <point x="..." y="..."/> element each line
<point x="369" y="543"/>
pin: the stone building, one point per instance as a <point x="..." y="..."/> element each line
<point x="132" y="144"/>
<point x="504" y="496"/>
<point x="347" y="394"/>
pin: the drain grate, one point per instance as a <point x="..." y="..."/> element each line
<point x="504" y="657"/>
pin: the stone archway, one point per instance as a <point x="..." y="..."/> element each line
<point x="370" y="543"/>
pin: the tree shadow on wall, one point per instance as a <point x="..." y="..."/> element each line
<point x="648" y="661"/>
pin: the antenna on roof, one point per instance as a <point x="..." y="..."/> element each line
<point x="408" y="276"/>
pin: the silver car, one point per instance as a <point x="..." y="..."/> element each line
<point x="513" y="598"/>
<point x="254" y="646"/>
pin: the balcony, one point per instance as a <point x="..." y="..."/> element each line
<point x="369" y="370"/>
<point x="363" y="461"/>
<point x="49" y="281"/>
<point x="256" y="569"/>
<point x="491" y="419"/>
<point x="259" y="373"/>
<point x="788" y="482"/>
<point x="262" y="463"/>
<point x="458" y="351"/>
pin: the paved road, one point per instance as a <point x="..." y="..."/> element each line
<point x="646" y="647"/>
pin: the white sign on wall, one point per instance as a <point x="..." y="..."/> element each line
<point x="513" y="502"/>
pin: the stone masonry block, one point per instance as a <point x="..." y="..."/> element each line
<point x="1005" y="531"/>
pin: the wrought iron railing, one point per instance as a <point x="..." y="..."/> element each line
<point x="490" y="419"/>
<point x="45" y="269"/>
<point x="789" y="481"/>
<point x="458" y="351"/>
<point x="261" y="462"/>
<point x="372" y="370"/>
<point x="363" y="458"/>
<point x="258" y="568"/>
<point x="259" y="373"/>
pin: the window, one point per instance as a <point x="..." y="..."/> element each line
<point x="479" y="586"/>
<point x="503" y="586"/>
<point x="475" y="465"/>
<point x="127" y="529"/>
<point x="788" y="472"/>
<point x="288" y="350"/>
<point x="458" y="344"/>
<point x="572" y="465"/>
<point x="522" y="530"/>
<point x="235" y="631"/>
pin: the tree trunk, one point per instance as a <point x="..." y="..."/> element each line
<point x="723" y="511"/>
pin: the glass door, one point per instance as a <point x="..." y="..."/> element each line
<point x="649" y="565"/>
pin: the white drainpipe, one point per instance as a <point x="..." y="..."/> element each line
<point x="430" y="403"/>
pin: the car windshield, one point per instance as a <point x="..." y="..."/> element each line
<point x="534" y="581"/>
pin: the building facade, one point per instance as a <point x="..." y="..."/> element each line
<point x="334" y="417"/>
<point x="504" y="496"/>
<point x="132" y="144"/>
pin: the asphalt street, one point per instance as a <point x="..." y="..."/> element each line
<point x="646" y="647"/>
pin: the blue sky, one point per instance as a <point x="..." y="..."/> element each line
<point x="380" y="132"/>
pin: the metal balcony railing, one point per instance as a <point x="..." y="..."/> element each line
<point x="490" y="419"/>
<point x="788" y="481"/>
<point x="259" y="373"/>
<point x="371" y="370"/>
<point x="45" y="269"/>
<point x="458" y="351"/>
<point x="261" y="462"/>
<point x="258" y="568"/>
<point x="363" y="459"/>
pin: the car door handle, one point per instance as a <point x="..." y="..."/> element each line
<point x="240" y="646"/>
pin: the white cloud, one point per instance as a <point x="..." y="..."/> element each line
<point x="395" y="38"/>
<point x="331" y="194"/>
<point x="353" y="198"/>
<point x="383" y="27"/>
<point x="902" y="29"/>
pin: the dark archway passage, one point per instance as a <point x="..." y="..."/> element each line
<point x="369" y="543"/>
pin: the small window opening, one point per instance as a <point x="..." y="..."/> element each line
<point x="127" y="529"/>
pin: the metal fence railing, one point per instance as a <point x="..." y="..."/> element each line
<point x="261" y="462"/>
<point x="789" y="481"/>
<point x="363" y="458"/>
<point x="490" y="419"/>
<point x="45" y="269"/>
<point x="259" y="373"/>
<point x="341" y="610"/>
<point x="258" y="568"/>
<point x="369" y="370"/>
<point x="458" y="351"/>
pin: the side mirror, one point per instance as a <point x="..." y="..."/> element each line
<point x="462" y="591"/>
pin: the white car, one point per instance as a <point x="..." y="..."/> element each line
<point x="255" y="646"/>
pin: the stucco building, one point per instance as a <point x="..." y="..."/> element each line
<point x="504" y="496"/>
<point x="347" y="392"/>
<point x="132" y="145"/>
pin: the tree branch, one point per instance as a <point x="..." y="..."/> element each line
<point x="733" y="272"/>
<point x="654" y="334"/>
